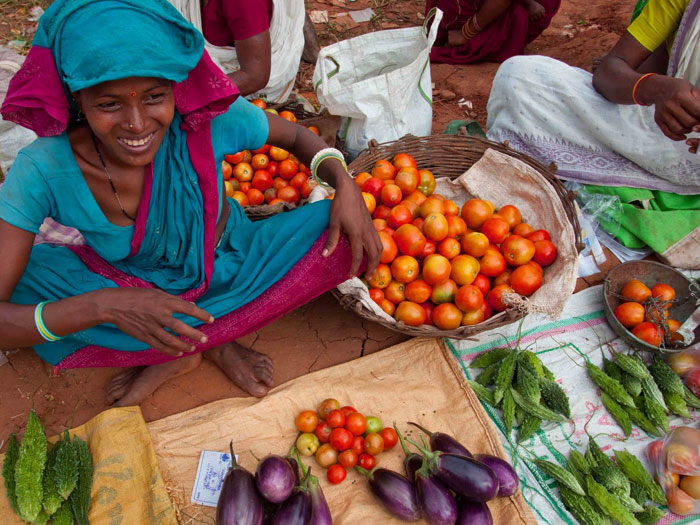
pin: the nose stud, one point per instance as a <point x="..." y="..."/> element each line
<point x="133" y="93"/>
<point x="131" y="126"/>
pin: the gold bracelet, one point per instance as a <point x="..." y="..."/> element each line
<point x="467" y="32"/>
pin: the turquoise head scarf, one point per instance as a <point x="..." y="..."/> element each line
<point x="95" y="41"/>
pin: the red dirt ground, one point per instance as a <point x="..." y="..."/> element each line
<point x="320" y="334"/>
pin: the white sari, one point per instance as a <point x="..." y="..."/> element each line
<point x="551" y="111"/>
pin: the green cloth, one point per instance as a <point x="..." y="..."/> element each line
<point x="472" y="126"/>
<point x="656" y="219"/>
<point x="638" y="9"/>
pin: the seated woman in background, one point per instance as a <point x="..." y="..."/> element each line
<point x="488" y="30"/>
<point x="625" y="126"/>
<point x="133" y="129"/>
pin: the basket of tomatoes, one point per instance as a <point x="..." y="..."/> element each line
<point x="270" y="180"/>
<point x="453" y="264"/>
<point x="646" y="302"/>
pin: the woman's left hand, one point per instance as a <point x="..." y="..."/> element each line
<point x="349" y="214"/>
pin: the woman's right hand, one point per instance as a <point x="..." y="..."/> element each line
<point x="145" y="314"/>
<point x="677" y="104"/>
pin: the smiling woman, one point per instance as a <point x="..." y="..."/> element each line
<point x="170" y="267"/>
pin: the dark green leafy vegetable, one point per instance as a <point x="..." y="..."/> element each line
<point x="80" y="497"/>
<point x="67" y="467"/>
<point x="29" y="470"/>
<point x="8" y="470"/>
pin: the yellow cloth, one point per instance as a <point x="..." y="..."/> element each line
<point x="127" y="487"/>
<point x="658" y="23"/>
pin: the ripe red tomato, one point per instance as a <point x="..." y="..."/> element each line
<point x="409" y="240"/>
<point x="367" y="461"/>
<point x="306" y="421"/>
<point x="348" y="458"/>
<point x="262" y="180"/>
<point x="482" y="283"/>
<point x="495" y="229"/>
<point x="526" y="279"/>
<point x="356" y="423"/>
<point x="469" y="297"/>
<point x="648" y="333"/>
<point x="335" y="419"/>
<point x="347" y="410"/>
<point x="374" y="444"/>
<point x="341" y="439"/>
<point x="358" y="444"/>
<point x="390" y="437"/>
<point x="539" y="235"/>
<point x="545" y="253"/>
<point x="323" y="431"/>
<point x="336" y="474"/>
<point x="374" y="186"/>
<point x="495" y="297"/>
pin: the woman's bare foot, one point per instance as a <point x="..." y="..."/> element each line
<point x="132" y="386"/>
<point x="248" y="369"/>
<point x="596" y="63"/>
<point x="535" y="9"/>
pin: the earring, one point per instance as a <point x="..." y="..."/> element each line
<point x="81" y="116"/>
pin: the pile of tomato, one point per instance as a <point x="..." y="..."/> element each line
<point x="268" y="175"/>
<point x="340" y="437"/>
<point x="646" y="312"/>
<point x="442" y="265"/>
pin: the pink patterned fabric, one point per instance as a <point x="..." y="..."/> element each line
<point x="309" y="278"/>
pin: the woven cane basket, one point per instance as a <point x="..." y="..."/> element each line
<point x="328" y="126"/>
<point x="450" y="156"/>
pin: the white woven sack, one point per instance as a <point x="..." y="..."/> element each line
<point x="379" y="83"/>
<point x="287" y="41"/>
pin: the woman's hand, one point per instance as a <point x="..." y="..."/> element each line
<point x="677" y="104"/>
<point x="145" y="314"/>
<point x="455" y="38"/>
<point x="350" y="215"/>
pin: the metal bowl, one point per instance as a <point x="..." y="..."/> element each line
<point x="650" y="273"/>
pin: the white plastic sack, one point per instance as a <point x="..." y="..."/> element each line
<point x="287" y="45"/>
<point x="379" y="83"/>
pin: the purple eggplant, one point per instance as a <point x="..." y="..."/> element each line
<point x="274" y="478"/>
<point x="321" y="514"/>
<point x="444" y="442"/>
<point x="468" y="477"/>
<point x="296" y="510"/>
<point x="412" y="460"/>
<point x="239" y="500"/>
<point x="394" y="491"/>
<point x="473" y="513"/>
<point x="507" y="478"/>
<point x="435" y="501"/>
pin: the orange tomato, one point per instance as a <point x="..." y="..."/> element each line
<point x="410" y="313"/>
<point x="475" y="244"/>
<point x="226" y="170"/>
<point x="451" y="208"/>
<point x="496" y="229"/>
<point x="432" y="205"/>
<point x="259" y="103"/>
<point x="409" y="240"/>
<point x="456" y="227"/>
<point x="663" y="292"/>
<point x="435" y="227"/>
<point x="391" y="195"/>
<point x="229" y="188"/>
<point x="376" y="294"/>
<point x="503" y="277"/>
<point x="426" y="185"/>
<point x="449" y="248"/>
<point x="370" y="202"/>
<point x="361" y="178"/>
<point x="288" y="194"/>
<point x="235" y="158"/>
<point x="278" y="183"/>
<point x="673" y="325"/>
<point x="255" y="196"/>
<point x="511" y="215"/>
<point x="259" y="161"/>
<point x="381" y="277"/>
<point x="648" y="333"/>
<point x="405" y="269"/>
<point x="657" y="315"/>
<point x="384" y="169"/>
<point x="635" y="290"/>
<point x="517" y="250"/>
<point x="475" y="212"/>
<point x="436" y="269"/>
<point x="404" y="160"/>
<point x="288" y="115"/>
<point x="398" y="216"/>
<point x="387" y="306"/>
<point x="407" y="179"/>
<point x="240" y="197"/>
<point x="418" y="291"/>
<point x="444" y="292"/>
<point x="278" y="154"/>
<point x="314" y="130"/>
<point x="473" y="317"/>
<point x="389" y="248"/>
<point x="492" y="263"/>
<point x="306" y="421"/>
<point x="395" y="292"/>
<point x="525" y="280"/>
<point x="417" y="197"/>
<point x="243" y="172"/>
<point x="523" y="229"/>
<point x="447" y="316"/>
<point x="379" y="224"/>
<point x="464" y="269"/>
<point x="412" y="207"/>
<point x="495" y="297"/>
<point x="468" y="298"/>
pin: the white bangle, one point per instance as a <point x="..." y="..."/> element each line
<point x="326" y="153"/>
